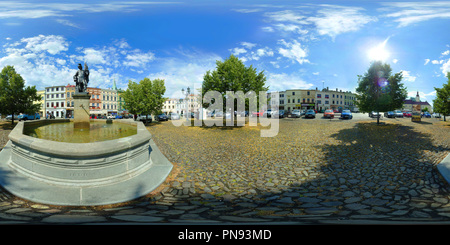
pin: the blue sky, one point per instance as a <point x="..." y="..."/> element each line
<point x="298" y="44"/>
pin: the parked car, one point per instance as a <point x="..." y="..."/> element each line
<point x="102" y="117"/>
<point x="144" y="118"/>
<point x="28" y="117"/>
<point x="119" y="117"/>
<point x="426" y="114"/>
<point x="278" y="114"/>
<point x="161" y="117"/>
<point x="244" y="114"/>
<point x="257" y="114"/>
<point x="111" y="117"/>
<point x="328" y="114"/>
<point x="374" y="114"/>
<point x="398" y="113"/>
<point x="268" y="113"/>
<point x="390" y="114"/>
<point x="296" y="113"/>
<point x="436" y="115"/>
<point x="346" y="114"/>
<point x="407" y="114"/>
<point x="9" y="117"/>
<point x="173" y="116"/>
<point x="310" y="114"/>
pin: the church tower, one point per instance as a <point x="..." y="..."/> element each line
<point x="417" y="97"/>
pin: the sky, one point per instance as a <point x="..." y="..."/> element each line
<point x="297" y="44"/>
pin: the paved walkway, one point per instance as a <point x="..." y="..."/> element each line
<point x="297" y="190"/>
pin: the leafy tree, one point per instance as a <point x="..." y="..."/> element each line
<point x="441" y="103"/>
<point x="145" y="97"/>
<point x="232" y="75"/>
<point x="378" y="90"/>
<point x="15" y="98"/>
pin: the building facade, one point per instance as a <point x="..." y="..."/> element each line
<point x="109" y="102"/>
<point x="41" y="102"/>
<point x="411" y="102"/>
<point x="55" y="101"/>
<point x="95" y="101"/>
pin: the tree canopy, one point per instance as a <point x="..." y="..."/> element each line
<point x="15" y="98"/>
<point x="145" y="97"/>
<point x="232" y="75"/>
<point x="441" y="103"/>
<point x="378" y="90"/>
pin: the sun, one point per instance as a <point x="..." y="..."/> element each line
<point x="379" y="52"/>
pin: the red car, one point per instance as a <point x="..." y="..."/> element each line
<point x="407" y="114"/>
<point x="257" y="114"/>
<point x="328" y="113"/>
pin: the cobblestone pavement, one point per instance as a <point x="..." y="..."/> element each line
<point x="315" y="171"/>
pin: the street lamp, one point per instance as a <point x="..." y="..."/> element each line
<point x="188" y="91"/>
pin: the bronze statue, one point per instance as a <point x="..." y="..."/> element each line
<point x="81" y="78"/>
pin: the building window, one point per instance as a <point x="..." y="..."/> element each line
<point x="307" y="93"/>
<point x="319" y="96"/>
<point x="326" y="102"/>
<point x="319" y="102"/>
<point x="293" y="93"/>
<point x="327" y="96"/>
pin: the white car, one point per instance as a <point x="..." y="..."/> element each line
<point x="398" y="113"/>
<point x="296" y="113"/>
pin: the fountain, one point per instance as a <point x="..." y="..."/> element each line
<point x="81" y="162"/>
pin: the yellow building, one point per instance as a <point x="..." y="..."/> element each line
<point x="41" y="102"/>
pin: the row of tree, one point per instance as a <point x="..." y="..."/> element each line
<point x="378" y="89"/>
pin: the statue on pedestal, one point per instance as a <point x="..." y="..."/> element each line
<point x="81" y="78"/>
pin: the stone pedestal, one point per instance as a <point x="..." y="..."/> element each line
<point x="81" y="111"/>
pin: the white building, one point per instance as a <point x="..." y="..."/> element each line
<point x="109" y="102"/>
<point x="170" y="106"/>
<point x="55" y="101"/>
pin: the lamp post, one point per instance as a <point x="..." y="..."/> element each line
<point x="188" y="91"/>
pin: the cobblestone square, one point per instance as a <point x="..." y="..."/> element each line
<point x="314" y="170"/>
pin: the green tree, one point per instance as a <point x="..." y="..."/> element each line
<point x="15" y="98"/>
<point x="145" y="97"/>
<point x="232" y="75"/>
<point x="378" y="90"/>
<point x="441" y="103"/>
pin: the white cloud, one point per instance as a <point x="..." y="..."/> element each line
<point x="334" y="20"/>
<point x="268" y="29"/>
<point x="329" y="20"/>
<point x="238" y="51"/>
<point x="248" y="45"/>
<point x="293" y="51"/>
<point x="426" y="61"/>
<point x="52" y="44"/>
<point x="395" y="61"/>
<point x="139" y="59"/>
<point x="184" y="72"/>
<point x="407" y="13"/>
<point x="283" y="81"/>
<point x="447" y="52"/>
<point x="408" y="77"/>
<point x="43" y="60"/>
<point x="446" y="67"/>
<point x="436" y="62"/>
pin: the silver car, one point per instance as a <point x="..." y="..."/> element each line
<point x="296" y="113"/>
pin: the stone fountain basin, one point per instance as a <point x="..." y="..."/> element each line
<point x="81" y="174"/>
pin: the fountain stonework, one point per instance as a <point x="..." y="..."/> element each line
<point x="108" y="171"/>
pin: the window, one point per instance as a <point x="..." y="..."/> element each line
<point x="298" y="101"/>
<point x="307" y="93"/>
<point x="48" y="96"/>
<point x="319" y="102"/>
<point x="326" y="102"/>
<point x="57" y="89"/>
<point x="73" y="104"/>
<point x="57" y="95"/>
<point x="62" y="95"/>
<point x="293" y="93"/>
<point x="308" y="100"/>
<point x="312" y="100"/>
<point x="333" y="95"/>
<point x="303" y="100"/>
<point x="319" y="96"/>
<point x="327" y="96"/>
<point x="47" y="104"/>
<point x="289" y="100"/>
<point x="68" y="94"/>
